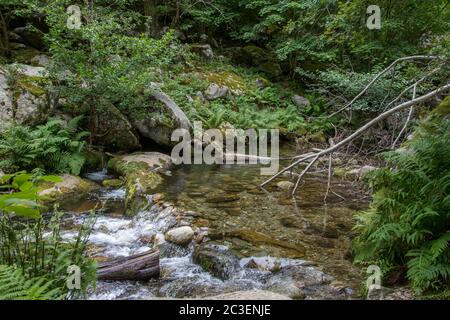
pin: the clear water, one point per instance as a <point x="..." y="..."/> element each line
<point x="267" y="225"/>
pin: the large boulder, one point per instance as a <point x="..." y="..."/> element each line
<point x="23" y="97"/>
<point x="141" y="178"/>
<point x="32" y="37"/>
<point x="258" y="57"/>
<point x="159" y="118"/>
<point x="115" y="131"/>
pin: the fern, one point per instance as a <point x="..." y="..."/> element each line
<point x="15" y="286"/>
<point x="52" y="147"/>
<point x="408" y="222"/>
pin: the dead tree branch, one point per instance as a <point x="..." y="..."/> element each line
<point x="392" y="65"/>
<point x="315" y="155"/>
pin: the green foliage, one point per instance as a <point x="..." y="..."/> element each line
<point x="36" y="247"/>
<point x="407" y="224"/>
<point x="15" y="286"/>
<point x="53" y="147"/>
<point x="20" y="193"/>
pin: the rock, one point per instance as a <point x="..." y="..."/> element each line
<point x="112" y="183"/>
<point x="216" y="259"/>
<point x="250" y="295"/>
<point x="204" y="50"/>
<point x="181" y="236"/>
<point x="285" y="185"/>
<point x="28" y="95"/>
<point x="272" y="69"/>
<point x="214" y="92"/>
<point x="40" y="60"/>
<point x="33" y="38"/>
<point x="359" y="172"/>
<point x="262" y="83"/>
<point x="159" y="117"/>
<point x="260" y="58"/>
<point x="234" y="82"/>
<point x="69" y="190"/>
<point x="300" y="102"/>
<point x="138" y="169"/>
<point x="115" y="131"/>
<point x="152" y="160"/>
<point x="20" y="53"/>
<point x="289" y="249"/>
<point x="159" y="239"/>
<point x="285" y="287"/>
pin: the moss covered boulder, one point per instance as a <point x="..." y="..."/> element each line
<point x="23" y="97"/>
<point x="140" y="174"/>
<point x="65" y="192"/>
<point x="258" y="57"/>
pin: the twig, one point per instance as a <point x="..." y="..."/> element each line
<point x="303" y="173"/>
<point x="411" y="109"/>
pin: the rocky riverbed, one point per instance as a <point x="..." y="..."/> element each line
<point x="218" y="233"/>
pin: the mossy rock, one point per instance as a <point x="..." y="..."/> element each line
<point x="33" y="84"/>
<point x="22" y="54"/>
<point x="112" y="183"/>
<point x="69" y="189"/>
<point x="141" y="179"/>
<point x="234" y="82"/>
<point x="255" y="55"/>
<point x="272" y="69"/>
<point x="216" y="259"/>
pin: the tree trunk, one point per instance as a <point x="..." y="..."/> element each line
<point x="139" y="267"/>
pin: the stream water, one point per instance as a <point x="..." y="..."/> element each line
<point x="306" y="234"/>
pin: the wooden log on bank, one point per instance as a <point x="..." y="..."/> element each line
<point x="139" y="267"/>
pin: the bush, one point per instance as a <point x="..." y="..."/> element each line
<point x="52" y="147"/>
<point x="407" y="225"/>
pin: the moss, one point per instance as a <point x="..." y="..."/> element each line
<point x="33" y="84"/>
<point x="112" y="183"/>
<point x="23" y="55"/>
<point x="139" y="183"/>
<point x="70" y="189"/>
<point x="230" y="79"/>
<point x="255" y="54"/>
<point x="271" y="68"/>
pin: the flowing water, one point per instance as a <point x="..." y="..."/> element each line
<point x="304" y="232"/>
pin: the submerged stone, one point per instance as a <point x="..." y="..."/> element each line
<point x="216" y="259"/>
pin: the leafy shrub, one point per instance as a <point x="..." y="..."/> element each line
<point x="52" y="147"/>
<point x="20" y="193"/>
<point x="408" y="222"/>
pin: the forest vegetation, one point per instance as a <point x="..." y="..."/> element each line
<point x="78" y="79"/>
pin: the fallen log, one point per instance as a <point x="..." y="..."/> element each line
<point x="139" y="267"/>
